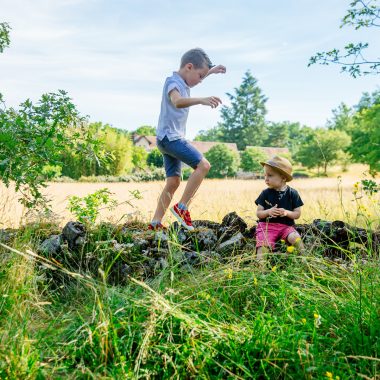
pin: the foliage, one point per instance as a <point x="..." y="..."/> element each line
<point x="116" y="144"/>
<point x="145" y="130"/>
<point x="244" y="120"/>
<point x="139" y="157"/>
<point x="250" y="159"/>
<point x="34" y="136"/>
<point x="342" y="119"/>
<point x="87" y="208"/>
<point x="361" y="14"/>
<point x="152" y="174"/>
<point x="365" y="145"/>
<point x="278" y="134"/>
<point x="370" y="186"/>
<point x="212" y="134"/>
<point x="4" y="36"/>
<point x="224" y="162"/>
<point x="322" y="148"/>
<point x="155" y="158"/>
<point x="231" y="320"/>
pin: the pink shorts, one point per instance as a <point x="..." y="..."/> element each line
<point x="268" y="233"/>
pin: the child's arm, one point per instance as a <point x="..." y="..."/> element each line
<point x="180" y="102"/>
<point x="273" y="212"/>
<point x="220" y="69"/>
<point x="295" y="214"/>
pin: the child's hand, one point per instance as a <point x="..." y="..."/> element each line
<point x="220" y="69"/>
<point x="283" y="211"/>
<point x="275" y="211"/>
<point x="212" y="101"/>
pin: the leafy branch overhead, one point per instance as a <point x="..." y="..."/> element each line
<point x="361" y="14"/>
<point x="4" y="36"/>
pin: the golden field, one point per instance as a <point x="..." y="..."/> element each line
<point x="326" y="198"/>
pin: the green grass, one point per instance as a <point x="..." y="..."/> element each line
<point x="298" y="318"/>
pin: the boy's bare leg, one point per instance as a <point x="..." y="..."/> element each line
<point x="166" y="196"/>
<point x="194" y="181"/>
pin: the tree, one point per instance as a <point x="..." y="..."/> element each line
<point x="323" y="148"/>
<point x="34" y="136"/>
<point x="155" y="158"/>
<point x="244" y="120"/>
<point x="224" y="162"/>
<point x="146" y="130"/>
<point x="139" y="157"/>
<point x="4" y="36"/>
<point x="213" y="134"/>
<point x="250" y="159"/>
<point x="342" y="119"/>
<point x="278" y="134"/>
<point x="361" y="14"/>
<point x="365" y="145"/>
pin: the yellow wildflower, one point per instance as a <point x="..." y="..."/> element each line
<point x="228" y="273"/>
<point x="274" y="268"/>
<point x="290" y="249"/>
<point x="317" y="320"/>
<point x="303" y="321"/>
<point x="329" y="375"/>
<point x="356" y="187"/>
<point x="255" y="281"/>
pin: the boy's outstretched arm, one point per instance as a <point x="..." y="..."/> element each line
<point x="220" y="69"/>
<point x="179" y="102"/>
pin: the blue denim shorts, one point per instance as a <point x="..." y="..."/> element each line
<point x="178" y="151"/>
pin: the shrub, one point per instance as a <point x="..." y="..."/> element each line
<point x="155" y="158"/>
<point x="224" y="162"/>
<point x="250" y="159"/>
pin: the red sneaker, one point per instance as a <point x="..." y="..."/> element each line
<point x="183" y="217"/>
<point x="156" y="227"/>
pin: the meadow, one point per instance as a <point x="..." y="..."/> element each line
<point x="329" y="198"/>
<point x="298" y="317"/>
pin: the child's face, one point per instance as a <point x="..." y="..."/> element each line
<point x="194" y="76"/>
<point x="273" y="179"/>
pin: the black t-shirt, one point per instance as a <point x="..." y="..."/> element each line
<point x="289" y="199"/>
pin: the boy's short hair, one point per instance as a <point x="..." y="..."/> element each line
<point x="197" y="57"/>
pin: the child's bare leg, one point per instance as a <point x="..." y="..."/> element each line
<point x="295" y="239"/>
<point x="259" y="254"/>
<point x="194" y="181"/>
<point x="166" y="196"/>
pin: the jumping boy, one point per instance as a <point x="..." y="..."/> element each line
<point x="176" y="100"/>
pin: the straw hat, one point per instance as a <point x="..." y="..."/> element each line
<point x="282" y="165"/>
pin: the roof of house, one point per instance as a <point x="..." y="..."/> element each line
<point x="152" y="140"/>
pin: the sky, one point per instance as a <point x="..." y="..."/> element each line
<point x="112" y="56"/>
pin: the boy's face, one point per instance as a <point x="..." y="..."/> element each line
<point x="273" y="179"/>
<point x="194" y="76"/>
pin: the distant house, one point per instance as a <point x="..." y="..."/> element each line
<point x="147" y="142"/>
<point x="271" y="151"/>
<point x="150" y="142"/>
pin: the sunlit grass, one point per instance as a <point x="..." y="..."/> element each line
<point x="325" y="198"/>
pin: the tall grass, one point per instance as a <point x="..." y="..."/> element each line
<point x="301" y="317"/>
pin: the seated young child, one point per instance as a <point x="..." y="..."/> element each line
<point x="277" y="207"/>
